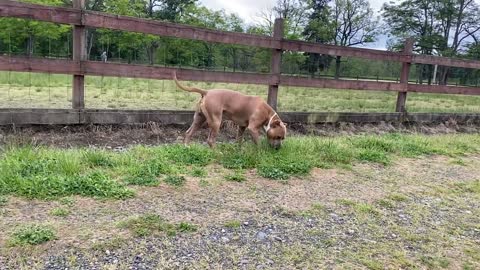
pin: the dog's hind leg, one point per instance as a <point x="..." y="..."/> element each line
<point x="198" y="121"/>
<point x="212" y="137"/>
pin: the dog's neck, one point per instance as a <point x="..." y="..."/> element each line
<point x="268" y="126"/>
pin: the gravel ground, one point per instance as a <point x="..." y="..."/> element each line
<point x="417" y="213"/>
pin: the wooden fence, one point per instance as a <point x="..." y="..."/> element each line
<point x="79" y="66"/>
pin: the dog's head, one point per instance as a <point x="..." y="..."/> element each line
<point x="276" y="133"/>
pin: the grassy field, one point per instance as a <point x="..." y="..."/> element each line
<point x="20" y="90"/>
<point x="393" y="201"/>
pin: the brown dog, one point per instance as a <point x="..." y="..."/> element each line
<point x="247" y="111"/>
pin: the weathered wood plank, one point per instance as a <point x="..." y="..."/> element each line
<point x="402" y="96"/>
<point x="102" y="20"/>
<point x="42" y="65"/>
<point x="275" y="65"/>
<point x="40" y="12"/>
<point x="79" y="54"/>
<point x="110" y="117"/>
<point x="304" y="46"/>
<point x="340" y="84"/>
<point x="444" y="61"/>
<point x="25" y="64"/>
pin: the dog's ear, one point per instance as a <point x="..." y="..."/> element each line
<point x="275" y="123"/>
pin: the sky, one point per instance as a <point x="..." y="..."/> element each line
<point x="248" y="9"/>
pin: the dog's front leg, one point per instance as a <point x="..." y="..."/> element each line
<point x="255" y="132"/>
<point x="240" y="132"/>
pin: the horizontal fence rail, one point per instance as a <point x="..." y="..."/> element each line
<point x="165" y="117"/>
<point x="70" y="67"/>
<point x="79" y="67"/>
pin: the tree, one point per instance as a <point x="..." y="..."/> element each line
<point x="319" y="29"/>
<point x="291" y="11"/>
<point x="441" y="27"/>
<point x="416" y="19"/>
<point x="353" y="25"/>
<point x="18" y="34"/>
<point x="459" y="20"/>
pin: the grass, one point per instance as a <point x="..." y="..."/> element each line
<point x="236" y="176"/>
<point x="3" y="201"/>
<point x="233" y="224"/>
<point x="32" y="235"/>
<point x="60" y="212"/>
<point x="19" y="90"/>
<point x="49" y="173"/>
<point x="198" y="172"/>
<point x="151" y="224"/>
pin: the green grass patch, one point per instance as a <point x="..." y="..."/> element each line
<point x="175" y="180"/>
<point x="191" y="155"/>
<point x="233" y="224"/>
<point x="434" y="262"/>
<point x="151" y="224"/>
<point x="236" y="176"/>
<point x="60" y="212"/>
<point x="32" y="235"/>
<point x="316" y="210"/>
<point x="365" y="208"/>
<point x="68" y="201"/>
<point x="198" y="172"/>
<point x="3" y="201"/>
<point x="98" y="184"/>
<point x="49" y="173"/>
<point x="98" y="158"/>
<point x="468" y="187"/>
<point x="36" y="172"/>
<point x="397" y="197"/>
<point x="110" y="244"/>
<point x="388" y="204"/>
<point x="359" y="207"/>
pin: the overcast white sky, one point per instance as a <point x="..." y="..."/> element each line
<point x="247" y="9"/>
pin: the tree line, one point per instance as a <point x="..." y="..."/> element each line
<point x="449" y="28"/>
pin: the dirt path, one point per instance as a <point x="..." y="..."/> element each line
<point x="414" y="214"/>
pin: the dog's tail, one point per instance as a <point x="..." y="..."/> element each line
<point x="188" y="89"/>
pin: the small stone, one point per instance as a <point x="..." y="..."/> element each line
<point x="225" y="239"/>
<point x="278" y="238"/>
<point x="245" y="223"/>
<point x="394" y="235"/>
<point x="351" y="231"/>
<point x="261" y="236"/>
<point x="468" y="212"/>
<point x="244" y="261"/>
<point x="107" y="252"/>
<point x="223" y="230"/>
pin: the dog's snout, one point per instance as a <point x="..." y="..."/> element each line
<point x="276" y="144"/>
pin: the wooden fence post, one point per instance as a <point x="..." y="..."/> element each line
<point x="79" y="54"/>
<point x="402" y="96"/>
<point x="275" y="65"/>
